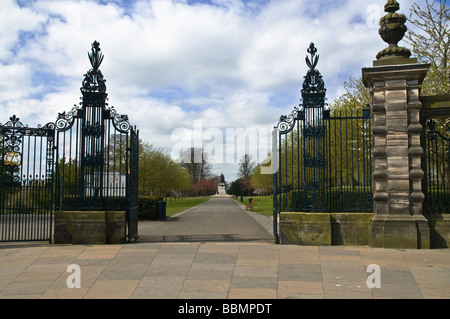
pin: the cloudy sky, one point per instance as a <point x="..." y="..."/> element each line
<point x="186" y="72"/>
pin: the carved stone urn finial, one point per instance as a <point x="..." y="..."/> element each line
<point x="392" y="29"/>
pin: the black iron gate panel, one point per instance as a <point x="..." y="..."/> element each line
<point x="132" y="186"/>
<point x="324" y="157"/>
<point x="26" y="181"/>
<point x="349" y="161"/>
<point x="437" y="170"/>
<point x="85" y="181"/>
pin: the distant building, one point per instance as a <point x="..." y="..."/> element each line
<point x="114" y="185"/>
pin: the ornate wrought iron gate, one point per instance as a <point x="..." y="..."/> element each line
<point x="97" y="155"/>
<point x="86" y="160"/>
<point x="26" y="181"/>
<point x="324" y="157"/>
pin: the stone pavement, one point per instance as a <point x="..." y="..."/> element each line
<point x="221" y="270"/>
<point x="219" y="219"/>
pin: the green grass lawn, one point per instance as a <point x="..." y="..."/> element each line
<point x="176" y="206"/>
<point x="263" y="204"/>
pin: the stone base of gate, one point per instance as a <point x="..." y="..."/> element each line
<point x="89" y="227"/>
<point x="400" y="231"/>
<point x="324" y="228"/>
<point x="439" y="230"/>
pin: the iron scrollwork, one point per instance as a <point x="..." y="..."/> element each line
<point x="287" y="122"/>
<point x="65" y="120"/>
<point x="13" y="132"/>
<point x="310" y="161"/>
<point x="120" y="121"/>
<point x="433" y="133"/>
<point x="94" y="130"/>
<point x="314" y="131"/>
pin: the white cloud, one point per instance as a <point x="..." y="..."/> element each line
<point x="13" y="21"/>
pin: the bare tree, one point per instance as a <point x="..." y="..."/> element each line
<point x="196" y="161"/>
<point x="246" y="167"/>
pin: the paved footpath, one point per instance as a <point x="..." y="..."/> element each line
<point x="221" y="270"/>
<point x="219" y="219"/>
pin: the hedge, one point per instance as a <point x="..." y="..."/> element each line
<point x="147" y="206"/>
<point x="329" y="200"/>
<point x="438" y="201"/>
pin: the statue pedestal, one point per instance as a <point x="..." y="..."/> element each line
<point x="221" y="189"/>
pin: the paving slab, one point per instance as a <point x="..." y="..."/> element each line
<point x="238" y="267"/>
<point x="237" y="270"/>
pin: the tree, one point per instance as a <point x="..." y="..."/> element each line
<point x="159" y="174"/>
<point x="116" y="153"/>
<point x="246" y="167"/>
<point x="196" y="161"/>
<point x="430" y="42"/>
<point x="238" y="187"/>
<point x="348" y="141"/>
<point x="68" y="176"/>
<point x="355" y="96"/>
<point x="263" y="182"/>
<point x="206" y="186"/>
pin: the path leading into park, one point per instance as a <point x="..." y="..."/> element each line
<point x="219" y="219"/>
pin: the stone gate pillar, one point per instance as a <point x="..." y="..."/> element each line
<point x="395" y="82"/>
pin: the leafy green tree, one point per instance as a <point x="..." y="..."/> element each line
<point x="116" y="153"/>
<point x="348" y="141"/>
<point x="354" y="97"/>
<point x="429" y="40"/>
<point x="263" y="182"/>
<point x="159" y="174"/>
<point x="238" y="187"/>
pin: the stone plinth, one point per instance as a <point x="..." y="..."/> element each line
<point x="305" y="228"/>
<point x="89" y="227"/>
<point x="439" y="230"/>
<point x="398" y="221"/>
<point x="350" y="228"/>
<point x="221" y="189"/>
<point x="325" y="229"/>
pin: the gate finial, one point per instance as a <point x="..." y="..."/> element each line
<point x="392" y="29"/>
<point x="314" y="59"/>
<point x="313" y="82"/>
<point x="93" y="79"/>
<point x="96" y="57"/>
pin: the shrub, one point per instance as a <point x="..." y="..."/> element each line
<point x="438" y="201"/>
<point x="328" y="200"/>
<point x="147" y="208"/>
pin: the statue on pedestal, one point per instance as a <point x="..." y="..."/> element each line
<point x="221" y="188"/>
